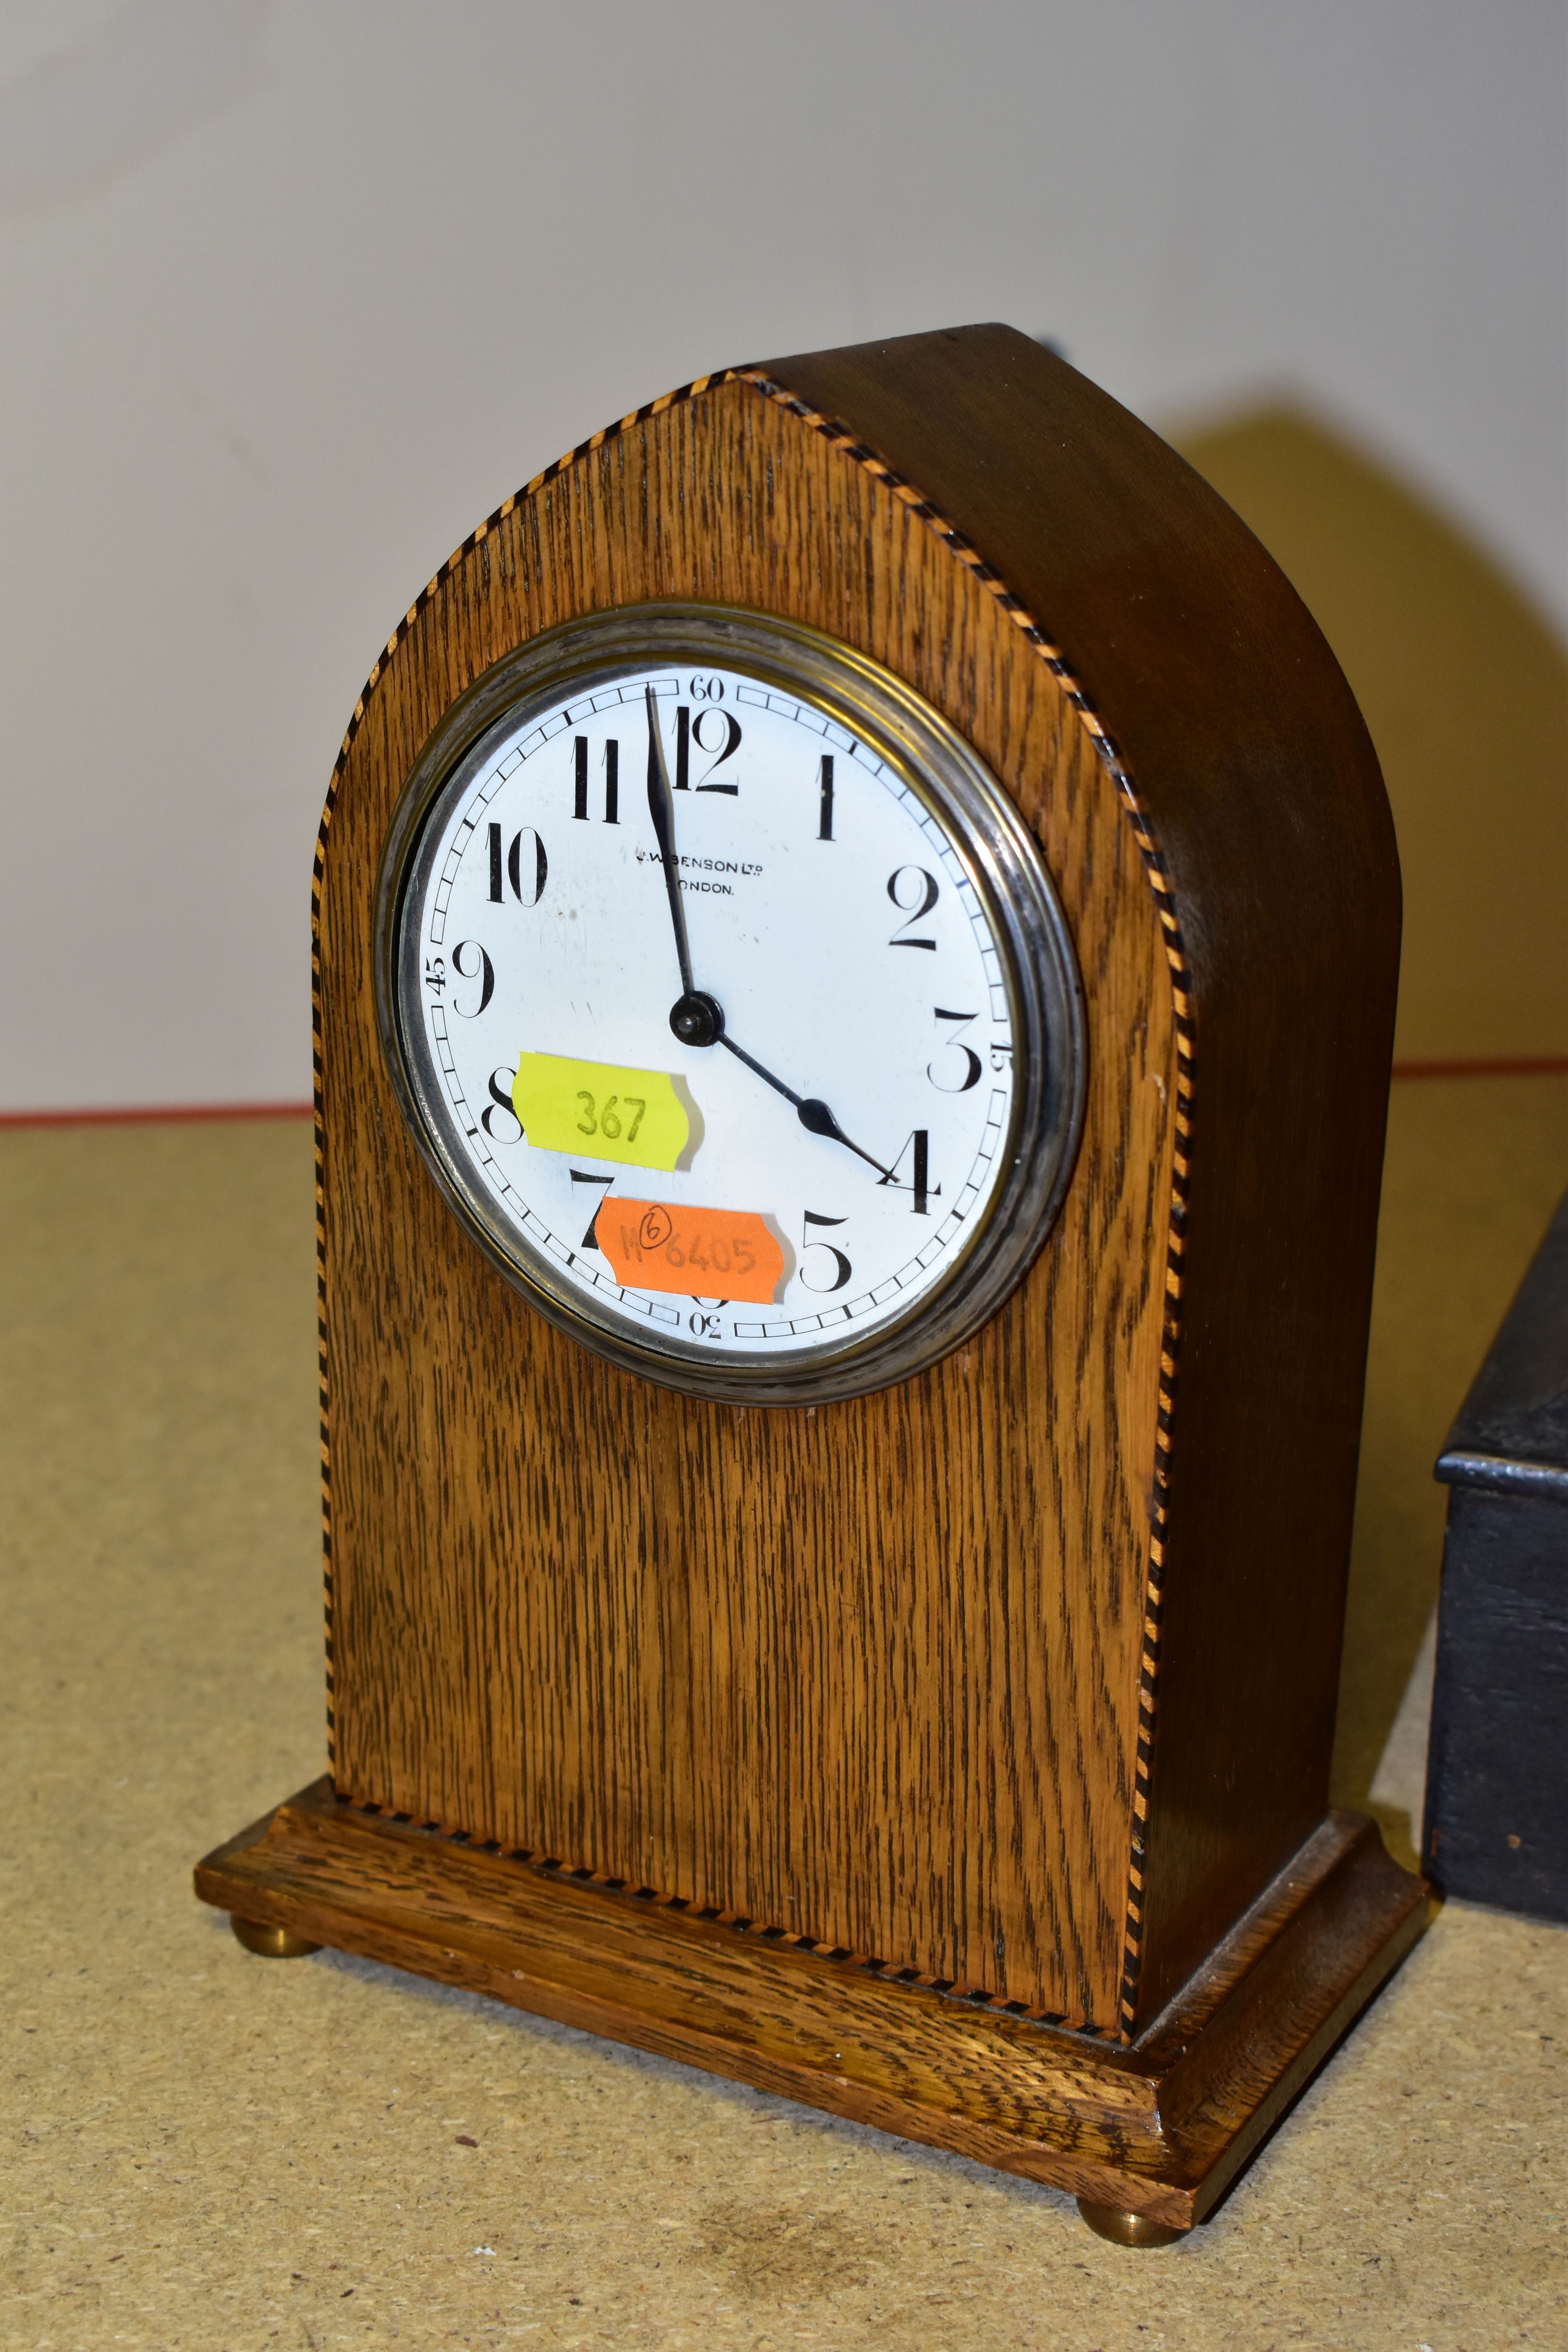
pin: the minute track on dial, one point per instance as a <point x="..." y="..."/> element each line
<point x="696" y="1017"/>
<point x="529" y="1007"/>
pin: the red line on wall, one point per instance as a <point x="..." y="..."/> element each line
<point x="150" y="1115"/>
<point x="153" y="1113"/>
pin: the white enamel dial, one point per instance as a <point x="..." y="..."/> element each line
<point x="749" y="1122"/>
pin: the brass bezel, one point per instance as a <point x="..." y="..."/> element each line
<point x="1001" y="861"/>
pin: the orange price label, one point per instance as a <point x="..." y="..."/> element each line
<point x="700" y="1252"/>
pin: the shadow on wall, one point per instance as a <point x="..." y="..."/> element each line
<point x="1466" y="692"/>
<point x="1465" y="689"/>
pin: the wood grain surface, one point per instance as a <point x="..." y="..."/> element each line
<point x="867" y="1672"/>
<point x="1160" y="2128"/>
<point x="1229" y="716"/>
<point x="1018" y="1677"/>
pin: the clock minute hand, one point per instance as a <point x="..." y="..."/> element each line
<point x="661" y="808"/>
<point x="813" y="1114"/>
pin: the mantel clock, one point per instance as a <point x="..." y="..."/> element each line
<point x="857" y="929"/>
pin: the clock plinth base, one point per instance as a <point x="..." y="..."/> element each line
<point x="270" y="1943"/>
<point x="1155" y="2129"/>
<point x="1125" y="2229"/>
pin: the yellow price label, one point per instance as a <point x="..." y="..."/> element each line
<point x="597" y="1110"/>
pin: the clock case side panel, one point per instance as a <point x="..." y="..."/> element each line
<point x="572" y="1693"/>
<point x="1226" y="707"/>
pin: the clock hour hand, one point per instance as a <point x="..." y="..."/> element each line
<point x="813" y="1114"/>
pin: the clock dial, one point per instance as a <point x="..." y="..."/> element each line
<point x="708" y="1008"/>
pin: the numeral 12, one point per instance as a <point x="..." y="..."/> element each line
<point x="687" y="732"/>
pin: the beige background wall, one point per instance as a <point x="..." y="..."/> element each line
<point x="1465" y="689"/>
<point x="292" y="293"/>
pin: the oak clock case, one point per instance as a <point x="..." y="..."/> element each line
<point x="846" y="888"/>
<point x="931" y="1721"/>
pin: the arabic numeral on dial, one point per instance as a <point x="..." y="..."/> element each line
<point x="579" y="779"/>
<point x="705" y="1326"/>
<point x="842" y="1267"/>
<point x="719" y="744"/>
<point x="917" y="1150"/>
<point x="914" y="893"/>
<point x="484" y="972"/>
<point x="707" y="689"/>
<point x="967" y="1071"/>
<point x="526" y="870"/>
<point x="501" y="1084"/>
<point x="580" y="1176"/>
<point x="436" y="972"/>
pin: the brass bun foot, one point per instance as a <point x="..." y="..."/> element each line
<point x="271" y="1943"/>
<point x="1126" y="2229"/>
